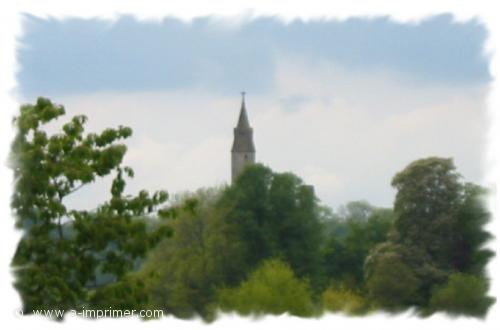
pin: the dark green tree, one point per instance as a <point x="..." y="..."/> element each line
<point x="439" y="227"/>
<point x="442" y="215"/>
<point x="62" y="250"/>
<point x="429" y="195"/>
<point x="275" y="215"/>
<point x="390" y="281"/>
<point x="462" y="294"/>
<point x="415" y="263"/>
<point x="470" y="254"/>
<point x="345" y="250"/>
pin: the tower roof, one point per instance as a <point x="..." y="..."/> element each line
<point x="243" y="118"/>
<point x="243" y="133"/>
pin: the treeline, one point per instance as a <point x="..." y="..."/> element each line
<point x="266" y="245"/>
<point x="262" y="245"/>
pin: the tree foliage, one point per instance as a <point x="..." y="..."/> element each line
<point x="438" y="231"/>
<point x="429" y="194"/>
<point x="357" y="231"/>
<point x="275" y="215"/>
<point x="462" y="294"/>
<point x="470" y="254"/>
<point x="261" y="245"/>
<point x="272" y="288"/>
<point x="55" y="269"/>
<point x="390" y="280"/>
<point x="201" y="255"/>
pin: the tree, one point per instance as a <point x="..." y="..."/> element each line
<point x="271" y="288"/>
<point x="202" y="254"/>
<point x="442" y="215"/>
<point x="462" y="294"/>
<point x="275" y="215"/>
<point x="390" y="280"/>
<point x="56" y="268"/>
<point x="429" y="194"/>
<point x="127" y="294"/>
<point x="248" y="209"/>
<point x="344" y="255"/>
<point x="438" y="229"/>
<point x="419" y="265"/>
<point x="470" y="254"/>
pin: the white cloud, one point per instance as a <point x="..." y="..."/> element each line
<point x="326" y="184"/>
<point x="345" y="132"/>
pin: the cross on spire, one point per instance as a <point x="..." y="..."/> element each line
<point x="243" y="96"/>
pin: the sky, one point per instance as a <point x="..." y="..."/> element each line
<point x="342" y="104"/>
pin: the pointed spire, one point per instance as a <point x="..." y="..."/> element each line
<point x="243" y="133"/>
<point x="243" y="119"/>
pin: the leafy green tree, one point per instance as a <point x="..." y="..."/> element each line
<point x="470" y="255"/>
<point x="275" y="215"/>
<point x="248" y="207"/>
<point x="462" y="294"/>
<point x="271" y="288"/>
<point x="438" y="228"/>
<point x="419" y="263"/>
<point x="202" y="255"/>
<point x="429" y="194"/>
<point x="56" y="268"/>
<point x="127" y="294"/>
<point x="344" y="255"/>
<point x="390" y="280"/>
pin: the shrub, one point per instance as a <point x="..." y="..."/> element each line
<point x="391" y="283"/>
<point x="462" y="294"/>
<point x="343" y="300"/>
<point x="271" y="288"/>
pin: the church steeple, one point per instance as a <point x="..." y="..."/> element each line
<point x="243" y="133"/>
<point x="243" y="150"/>
<point x="243" y="119"/>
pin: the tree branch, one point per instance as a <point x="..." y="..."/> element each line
<point x="75" y="189"/>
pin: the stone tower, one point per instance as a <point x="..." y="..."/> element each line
<point x="243" y="150"/>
